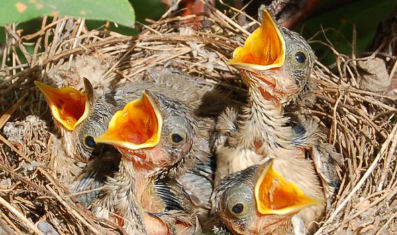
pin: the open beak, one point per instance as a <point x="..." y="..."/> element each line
<point x="264" y="49"/>
<point x="273" y="195"/>
<point x="68" y="105"/>
<point x="137" y="126"/>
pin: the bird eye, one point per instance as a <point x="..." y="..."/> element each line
<point x="238" y="208"/>
<point x="90" y="142"/>
<point x="300" y="57"/>
<point x="176" y="138"/>
<point x="239" y="201"/>
<point x="179" y="130"/>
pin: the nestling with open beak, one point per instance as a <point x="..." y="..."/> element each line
<point x="81" y="117"/>
<point x="269" y="199"/>
<point x="275" y="63"/>
<point x="157" y="137"/>
<point x="104" y="161"/>
<point x="196" y="180"/>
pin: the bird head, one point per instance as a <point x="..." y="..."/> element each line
<point x="258" y="200"/>
<point x="274" y="59"/>
<point x="69" y="107"/>
<point x="80" y="117"/>
<point x="152" y="130"/>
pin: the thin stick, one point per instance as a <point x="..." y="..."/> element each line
<point x="389" y="158"/>
<point x="72" y="211"/>
<point x="386" y="224"/>
<point x="363" y="179"/>
<point x="228" y="20"/>
<point x="4" y="140"/>
<point x="6" y="116"/>
<point x="20" y="216"/>
<point x="7" y="227"/>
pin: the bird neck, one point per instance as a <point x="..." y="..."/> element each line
<point x="69" y="143"/>
<point x="133" y="190"/>
<point x="122" y="199"/>
<point x="145" y="192"/>
<point x="271" y="224"/>
<point x="263" y="125"/>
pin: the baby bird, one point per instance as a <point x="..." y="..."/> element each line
<point x="274" y="71"/>
<point x="81" y="117"/>
<point x="195" y="178"/>
<point x="275" y="63"/>
<point x="157" y="137"/>
<point x="268" y="199"/>
<point x="103" y="159"/>
<point x="182" y="184"/>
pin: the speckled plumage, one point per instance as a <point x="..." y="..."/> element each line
<point x="188" y="172"/>
<point x="239" y="187"/>
<point x="102" y="161"/>
<point x="141" y="168"/>
<point x="190" y="181"/>
<point x="262" y="130"/>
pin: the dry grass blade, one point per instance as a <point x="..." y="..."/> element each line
<point x="71" y="210"/>
<point x="6" y="116"/>
<point x="33" y="177"/>
<point x="20" y="216"/>
<point x="385" y="146"/>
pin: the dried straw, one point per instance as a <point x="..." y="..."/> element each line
<point x="33" y="191"/>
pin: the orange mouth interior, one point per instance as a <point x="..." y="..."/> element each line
<point x="274" y="195"/>
<point x="67" y="105"/>
<point x="264" y="49"/>
<point x="137" y="126"/>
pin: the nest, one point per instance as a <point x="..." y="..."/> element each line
<point x="33" y="197"/>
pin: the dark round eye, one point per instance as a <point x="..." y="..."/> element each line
<point x="176" y="138"/>
<point x="238" y="201"/>
<point x="90" y="142"/>
<point x="238" y="208"/>
<point x="300" y="57"/>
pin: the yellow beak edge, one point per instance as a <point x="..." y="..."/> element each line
<point x="274" y="195"/>
<point x="137" y="126"/>
<point x="264" y="49"/>
<point x="68" y="105"/>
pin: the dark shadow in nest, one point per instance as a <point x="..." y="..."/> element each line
<point x="103" y="163"/>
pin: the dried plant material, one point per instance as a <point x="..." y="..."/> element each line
<point x="35" y="172"/>
<point x="92" y="66"/>
<point x="374" y="75"/>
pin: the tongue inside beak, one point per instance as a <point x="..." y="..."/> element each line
<point x="137" y="126"/>
<point x="264" y="49"/>
<point x="274" y="195"/>
<point x="68" y="105"/>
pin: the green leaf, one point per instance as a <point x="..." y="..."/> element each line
<point x="118" y="11"/>
<point x="148" y="9"/>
